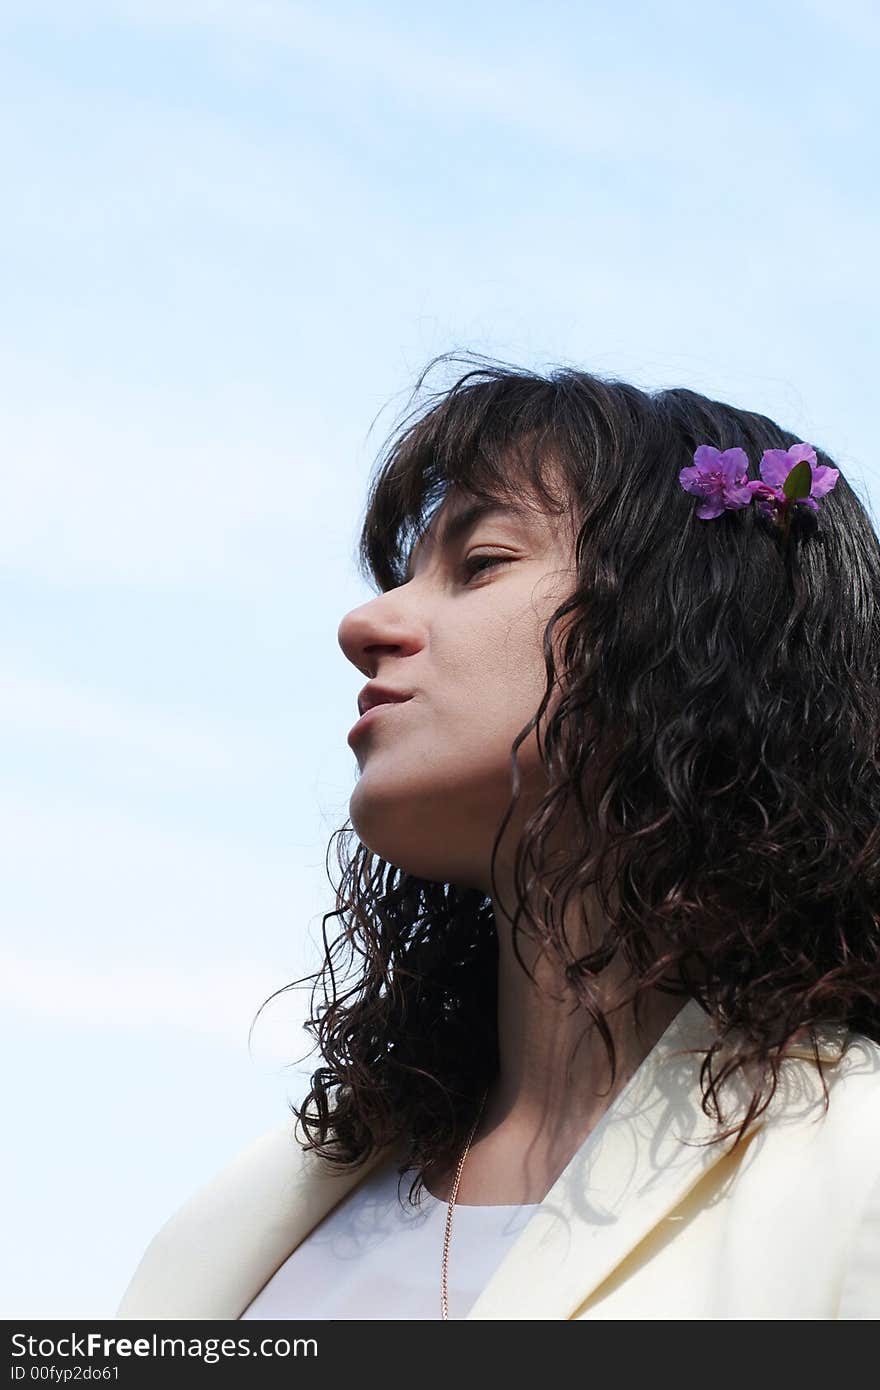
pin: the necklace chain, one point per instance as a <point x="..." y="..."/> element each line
<point x="444" y="1300"/>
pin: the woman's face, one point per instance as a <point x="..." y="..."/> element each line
<point x="464" y="641"/>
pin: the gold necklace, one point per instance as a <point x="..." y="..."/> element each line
<point x="444" y="1301"/>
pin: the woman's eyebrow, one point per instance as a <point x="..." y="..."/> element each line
<point x="465" y="520"/>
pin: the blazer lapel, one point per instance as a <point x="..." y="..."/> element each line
<point x="212" y="1257"/>
<point x="639" y="1162"/>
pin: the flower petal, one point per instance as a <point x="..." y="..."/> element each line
<point x="824" y="479"/>
<point x="765" y="492"/>
<point x="707" y="458"/>
<point x="798" y="452"/>
<point x="734" y="463"/>
<point x="691" y="480"/>
<point x="775" y="466"/>
<point x="737" y="496"/>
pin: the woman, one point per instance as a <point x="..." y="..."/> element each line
<point x="613" y="906"/>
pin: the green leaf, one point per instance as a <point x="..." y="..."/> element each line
<point x="799" y="481"/>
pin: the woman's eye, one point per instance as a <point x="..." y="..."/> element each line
<point x="475" y="564"/>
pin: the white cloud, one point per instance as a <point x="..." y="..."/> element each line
<point x="577" y="97"/>
<point x="857" y="19"/>
<point x="102" y="500"/>
<point x="104" y="883"/>
<point x="29" y="704"/>
<point x="217" y="1001"/>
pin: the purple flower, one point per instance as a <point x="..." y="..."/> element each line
<point x="776" y="465"/>
<point x="720" y="479"/>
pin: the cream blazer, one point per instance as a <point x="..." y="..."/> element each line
<point x="643" y="1223"/>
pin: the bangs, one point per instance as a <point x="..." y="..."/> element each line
<point x="488" y="439"/>
<point x="568" y="441"/>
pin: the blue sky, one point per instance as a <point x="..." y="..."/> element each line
<point x="234" y="234"/>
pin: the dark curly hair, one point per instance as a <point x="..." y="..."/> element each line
<point x="715" y="742"/>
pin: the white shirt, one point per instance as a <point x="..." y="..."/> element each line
<point x="375" y="1256"/>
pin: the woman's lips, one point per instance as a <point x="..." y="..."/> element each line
<point x="372" y="713"/>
